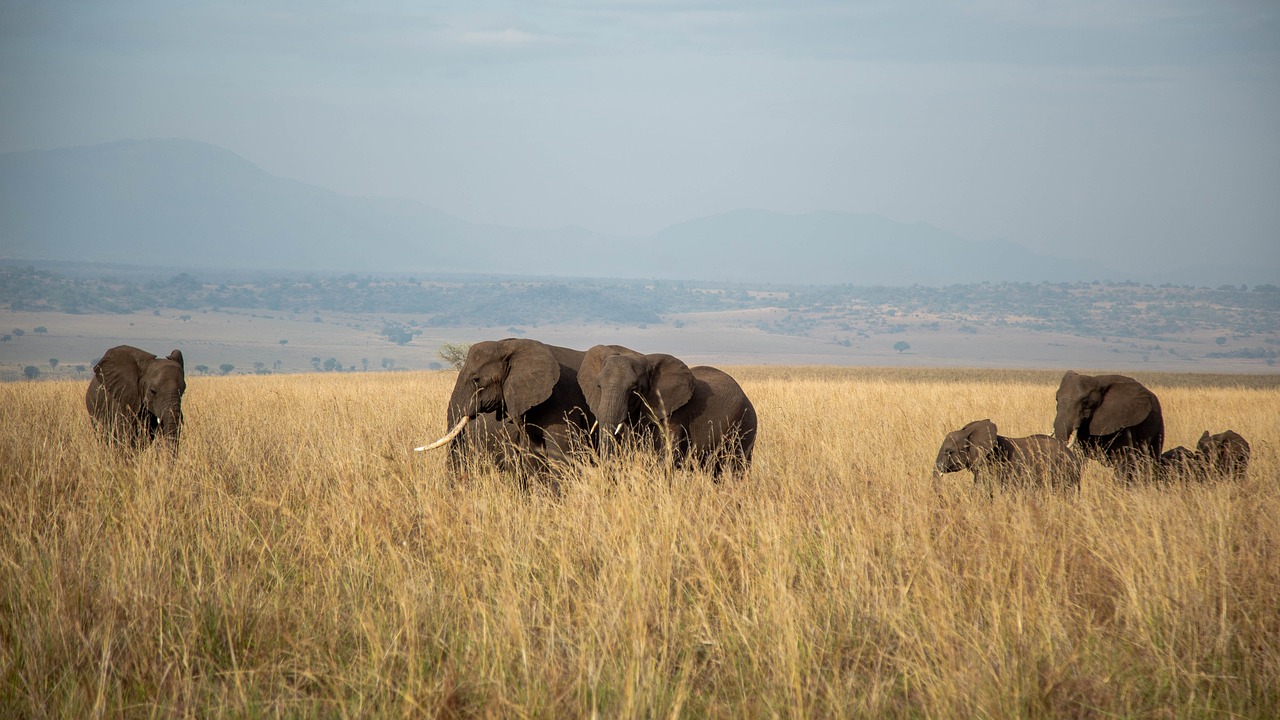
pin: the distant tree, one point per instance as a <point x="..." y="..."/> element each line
<point x="454" y="353"/>
<point x="388" y="363"/>
<point x="1221" y="340"/>
<point x="53" y="363"/>
<point x="202" y="369"/>
<point x="332" y="364"/>
<point x="41" y="330"/>
<point x="31" y="371"/>
<point x="315" y="362"/>
<point x="19" y="332"/>
<point x="364" y="363"/>
<point x="226" y="368"/>
<point x="901" y="346"/>
<point x="80" y="369"/>
<point x="284" y="342"/>
<point x="397" y="334"/>
<point x="184" y="318"/>
<point x="5" y="338"/>
<point x="277" y="364"/>
<point x="258" y="366"/>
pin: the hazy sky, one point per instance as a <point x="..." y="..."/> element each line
<point x="1076" y="127"/>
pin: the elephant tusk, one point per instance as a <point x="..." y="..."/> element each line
<point x="617" y="429"/>
<point x="445" y="440"/>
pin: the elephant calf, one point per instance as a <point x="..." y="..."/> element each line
<point x="1179" y="462"/>
<point x="1027" y="461"/>
<point x="1225" y="455"/>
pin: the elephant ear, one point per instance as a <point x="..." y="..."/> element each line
<point x="120" y="372"/>
<point x="1124" y="404"/>
<point x="532" y="373"/>
<point x="176" y="356"/>
<point x="981" y="436"/>
<point x="1205" y="444"/>
<point x="670" y="384"/>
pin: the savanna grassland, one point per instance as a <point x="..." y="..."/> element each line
<point x="296" y="558"/>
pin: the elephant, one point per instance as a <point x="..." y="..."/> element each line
<point x="136" y="397"/>
<point x="1114" y="418"/>
<point x="531" y="389"/>
<point x="1025" y="461"/>
<point x="1225" y="454"/>
<point x="1180" y="463"/>
<point x="701" y="413"/>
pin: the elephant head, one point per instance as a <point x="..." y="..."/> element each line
<point x="505" y="377"/>
<point x="966" y="448"/>
<point x="1101" y="405"/>
<point x="1226" y="453"/>
<point x="145" y="387"/>
<point x="625" y="388"/>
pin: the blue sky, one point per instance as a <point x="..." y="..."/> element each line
<point x="1082" y="129"/>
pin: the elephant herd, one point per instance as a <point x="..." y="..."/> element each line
<point x="526" y="405"/>
<point x="1115" y="420"/>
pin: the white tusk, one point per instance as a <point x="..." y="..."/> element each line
<point x="445" y="440"/>
<point x="617" y="429"/>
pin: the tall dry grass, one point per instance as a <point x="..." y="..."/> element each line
<point x="297" y="559"/>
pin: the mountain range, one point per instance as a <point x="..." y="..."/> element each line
<point x="181" y="203"/>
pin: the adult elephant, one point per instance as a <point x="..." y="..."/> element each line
<point x="1114" y="418"/>
<point x="701" y="412"/>
<point x="528" y="384"/>
<point x="136" y="397"/>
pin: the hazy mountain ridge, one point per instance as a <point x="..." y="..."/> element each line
<point x="183" y="203"/>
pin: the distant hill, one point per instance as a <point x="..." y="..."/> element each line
<point x="181" y="203"/>
<point x="833" y="248"/>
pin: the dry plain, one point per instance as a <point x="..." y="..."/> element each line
<point x="251" y="339"/>
<point x="296" y="558"/>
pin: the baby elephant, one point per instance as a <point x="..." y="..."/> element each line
<point x="1028" y="461"/>
<point x="1224" y="455"/>
<point x="1180" y="462"/>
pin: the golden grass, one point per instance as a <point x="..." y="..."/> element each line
<point x="298" y="559"/>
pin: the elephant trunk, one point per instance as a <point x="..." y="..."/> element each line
<point x="609" y="422"/>
<point x="169" y="415"/>
<point x="462" y="403"/>
<point x="1065" y="423"/>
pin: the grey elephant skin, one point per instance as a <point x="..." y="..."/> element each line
<point x="1221" y="456"/>
<point x="135" y="397"/>
<point x="531" y="391"/>
<point x="1114" y="418"/>
<point x="701" y="413"/>
<point x="1035" y="460"/>
<point x="486" y="438"/>
<point x="1180" y="463"/>
<point x="1225" y="454"/>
